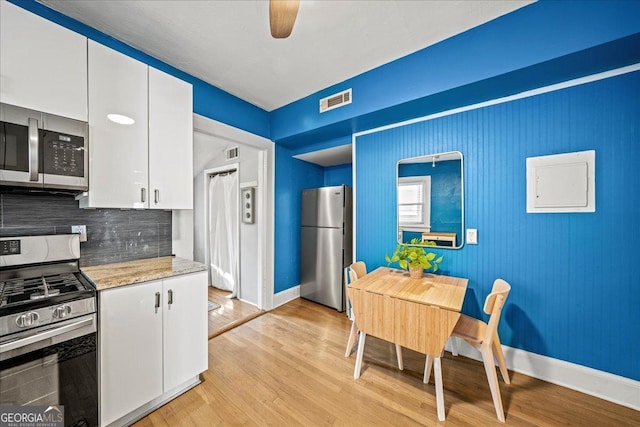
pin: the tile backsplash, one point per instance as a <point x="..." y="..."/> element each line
<point x="113" y="235"/>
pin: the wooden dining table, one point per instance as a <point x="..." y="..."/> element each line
<point x="418" y="314"/>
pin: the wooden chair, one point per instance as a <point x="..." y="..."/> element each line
<point x="484" y="337"/>
<point x="352" y="273"/>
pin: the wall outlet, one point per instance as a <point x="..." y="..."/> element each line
<point x="81" y="230"/>
<point x="472" y="236"/>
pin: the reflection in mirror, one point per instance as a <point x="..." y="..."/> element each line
<point x="430" y="200"/>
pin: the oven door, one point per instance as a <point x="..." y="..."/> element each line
<point x="19" y="151"/>
<point x="53" y="365"/>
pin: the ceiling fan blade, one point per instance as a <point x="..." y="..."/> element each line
<point x="282" y="16"/>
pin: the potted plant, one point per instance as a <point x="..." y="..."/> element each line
<point x="414" y="258"/>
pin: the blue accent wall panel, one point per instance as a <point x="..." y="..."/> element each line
<point x="574" y="276"/>
<point x="338" y="175"/>
<point x="292" y="176"/>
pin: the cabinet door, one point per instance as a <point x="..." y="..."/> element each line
<point x="43" y="66"/>
<point x="118" y="162"/>
<point x="170" y="142"/>
<point x="185" y="328"/>
<point x="130" y="338"/>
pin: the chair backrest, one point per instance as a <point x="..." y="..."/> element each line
<point x="359" y="268"/>
<point x="351" y="274"/>
<point x="493" y="305"/>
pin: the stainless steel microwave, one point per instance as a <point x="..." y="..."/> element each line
<point x="42" y="150"/>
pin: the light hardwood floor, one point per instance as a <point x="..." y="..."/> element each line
<point x="287" y="367"/>
<point x="232" y="312"/>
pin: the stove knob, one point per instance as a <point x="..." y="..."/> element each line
<point x="61" y="312"/>
<point x="27" y="319"/>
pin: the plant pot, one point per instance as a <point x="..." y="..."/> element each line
<point x="416" y="272"/>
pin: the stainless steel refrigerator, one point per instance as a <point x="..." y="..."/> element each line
<point x="326" y="244"/>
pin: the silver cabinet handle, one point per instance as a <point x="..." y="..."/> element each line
<point x="170" y="296"/>
<point x="157" y="301"/>
<point x="157" y="196"/>
<point x="143" y="194"/>
<point x="33" y="149"/>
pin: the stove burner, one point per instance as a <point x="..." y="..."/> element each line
<point x="15" y="291"/>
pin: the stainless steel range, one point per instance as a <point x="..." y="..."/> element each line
<point x="47" y="327"/>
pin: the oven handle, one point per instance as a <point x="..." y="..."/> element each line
<point x="33" y="149"/>
<point x="23" y="342"/>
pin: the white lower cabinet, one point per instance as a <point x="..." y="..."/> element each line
<point x="152" y="339"/>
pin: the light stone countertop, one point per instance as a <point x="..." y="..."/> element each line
<point x="108" y="276"/>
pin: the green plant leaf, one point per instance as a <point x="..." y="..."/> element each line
<point x="435" y="267"/>
<point x="402" y="263"/>
<point x="439" y="260"/>
<point x="430" y="256"/>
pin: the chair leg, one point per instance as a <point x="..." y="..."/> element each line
<point x="454" y="345"/>
<point x="437" y="370"/>
<point x="428" y="364"/>
<point x="352" y="338"/>
<point x="497" y="352"/>
<point x="492" y="378"/>
<point x="399" y="356"/>
<point x="361" y="339"/>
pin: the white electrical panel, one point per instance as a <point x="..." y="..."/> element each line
<point x="561" y="183"/>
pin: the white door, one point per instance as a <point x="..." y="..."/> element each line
<point x="170" y="142"/>
<point x="130" y="348"/>
<point x="43" y="66"/>
<point x="185" y="328"/>
<point x="118" y="162"/>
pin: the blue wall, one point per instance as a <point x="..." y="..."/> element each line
<point x="511" y="54"/>
<point x="292" y="176"/>
<point x="208" y="100"/>
<point x="575" y="288"/>
<point x="338" y="175"/>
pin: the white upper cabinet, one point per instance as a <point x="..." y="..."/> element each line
<point x="170" y="142"/>
<point x="43" y="66"/>
<point x="118" y="155"/>
<point x="147" y="163"/>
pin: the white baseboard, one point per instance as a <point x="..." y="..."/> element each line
<point x="285" y="296"/>
<point x="611" y="387"/>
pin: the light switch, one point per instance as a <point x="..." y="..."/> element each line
<point x="472" y="236"/>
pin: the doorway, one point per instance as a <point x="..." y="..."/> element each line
<point x="254" y="162"/>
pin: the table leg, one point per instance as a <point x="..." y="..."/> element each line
<point x="428" y="364"/>
<point x="399" y="356"/>
<point x="361" y="339"/>
<point x="437" y="370"/>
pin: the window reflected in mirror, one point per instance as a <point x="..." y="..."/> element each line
<point x="430" y="200"/>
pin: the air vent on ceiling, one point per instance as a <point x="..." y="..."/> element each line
<point x="232" y="153"/>
<point x="335" y="101"/>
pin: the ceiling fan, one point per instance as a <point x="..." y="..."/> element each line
<point x="282" y="16"/>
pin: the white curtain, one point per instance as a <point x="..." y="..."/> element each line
<point x="223" y="232"/>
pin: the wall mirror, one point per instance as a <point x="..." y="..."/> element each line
<point x="430" y="200"/>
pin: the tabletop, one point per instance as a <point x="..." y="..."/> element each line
<point x="433" y="289"/>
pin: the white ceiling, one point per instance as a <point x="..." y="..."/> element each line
<point x="228" y="44"/>
<point x="329" y="156"/>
